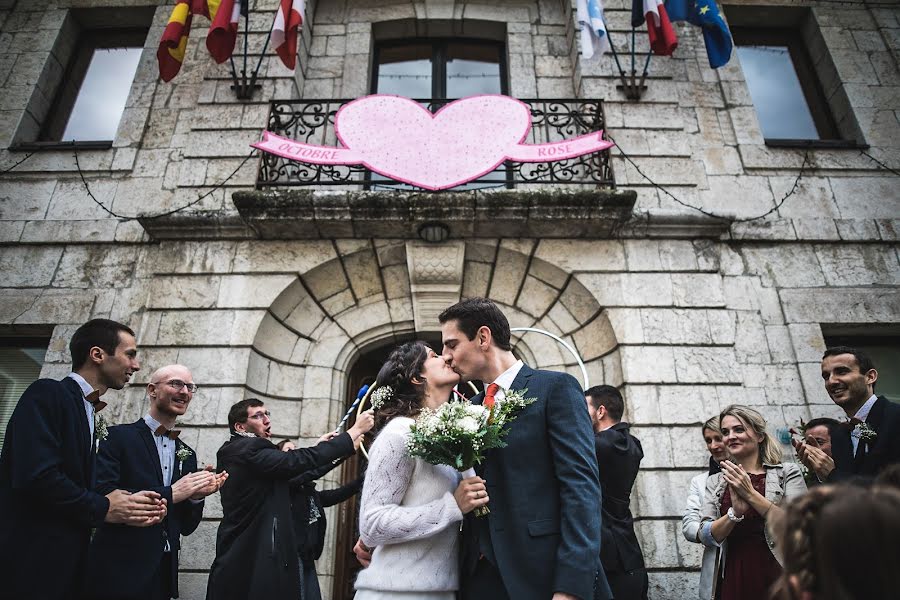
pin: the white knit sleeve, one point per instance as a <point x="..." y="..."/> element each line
<point x="382" y="520"/>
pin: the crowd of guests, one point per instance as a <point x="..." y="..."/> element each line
<point x="765" y="535"/>
<point x="102" y="509"/>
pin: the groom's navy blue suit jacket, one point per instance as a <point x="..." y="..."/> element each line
<point x="123" y="559"/>
<point x="47" y="502"/>
<point x="544" y="524"/>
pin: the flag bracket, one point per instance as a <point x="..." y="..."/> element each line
<point x="245" y="84"/>
<point x="632" y="85"/>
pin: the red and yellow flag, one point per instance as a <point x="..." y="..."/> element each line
<point x="174" y="39"/>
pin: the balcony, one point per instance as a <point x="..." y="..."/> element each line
<point x="553" y="120"/>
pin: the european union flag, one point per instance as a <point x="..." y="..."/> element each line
<point x="705" y="14"/>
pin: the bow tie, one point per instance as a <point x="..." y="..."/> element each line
<point x="851" y="424"/>
<point x="172" y="434"/>
<point x="96" y="402"/>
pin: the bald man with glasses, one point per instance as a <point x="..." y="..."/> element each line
<point x="142" y="564"/>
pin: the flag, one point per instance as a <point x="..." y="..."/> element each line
<point x="705" y="14"/>
<point x="174" y="41"/>
<point x="594" y="37"/>
<point x="223" y="32"/>
<point x="662" y="36"/>
<point x="288" y="19"/>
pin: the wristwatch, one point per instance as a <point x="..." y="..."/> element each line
<point x="733" y="517"/>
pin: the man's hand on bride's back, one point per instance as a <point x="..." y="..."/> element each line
<point x="470" y="494"/>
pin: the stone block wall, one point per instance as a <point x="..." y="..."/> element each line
<point x="686" y="321"/>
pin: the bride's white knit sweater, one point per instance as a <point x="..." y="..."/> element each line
<point x="409" y="514"/>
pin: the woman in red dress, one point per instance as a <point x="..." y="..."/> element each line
<point x="740" y="500"/>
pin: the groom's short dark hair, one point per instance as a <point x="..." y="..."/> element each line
<point x="608" y="396"/>
<point x="474" y="313"/>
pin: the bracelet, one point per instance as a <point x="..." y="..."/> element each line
<point x="733" y="517"/>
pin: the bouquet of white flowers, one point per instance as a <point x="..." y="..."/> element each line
<point x="458" y="433"/>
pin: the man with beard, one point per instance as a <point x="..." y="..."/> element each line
<point x="619" y="457"/>
<point x="542" y="537"/>
<point x="47" y="502"/>
<point x="256" y="551"/>
<point x="870" y="442"/>
<point x="148" y="454"/>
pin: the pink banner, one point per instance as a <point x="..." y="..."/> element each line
<point x="317" y="155"/>
<point x="399" y="138"/>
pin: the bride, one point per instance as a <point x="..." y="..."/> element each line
<point x="410" y="510"/>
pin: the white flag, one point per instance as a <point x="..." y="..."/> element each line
<point x="593" y="28"/>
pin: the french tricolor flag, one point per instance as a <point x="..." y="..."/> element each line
<point x="288" y="19"/>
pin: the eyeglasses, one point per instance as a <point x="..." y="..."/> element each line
<point x="260" y="415"/>
<point x="177" y="384"/>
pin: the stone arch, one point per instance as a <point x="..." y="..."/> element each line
<point x="375" y="292"/>
<point x="323" y="321"/>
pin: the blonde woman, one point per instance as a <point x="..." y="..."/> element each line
<point x="738" y="502"/>
<point x="690" y="522"/>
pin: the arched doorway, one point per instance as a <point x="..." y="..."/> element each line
<point x="363" y="372"/>
<point x="330" y="330"/>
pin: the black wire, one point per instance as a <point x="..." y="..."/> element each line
<point x="163" y="214"/>
<point x="26" y="157"/>
<point x="706" y="212"/>
<point x="879" y="163"/>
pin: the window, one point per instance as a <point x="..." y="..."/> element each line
<point x="786" y="93"/>
<point x="92" y="97"/>
<point x="442" y="70"/>
<point x="439" y="68"/>
<point x="793" y="81"/>
<point x="21" y="359"/>
<point x="83" y="89"/>
<point x="884" y="350"/>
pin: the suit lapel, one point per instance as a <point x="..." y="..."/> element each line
<point x="147" y="437"/>
<point x="842" y="450"/>
<point x="521" y="380"/>
<point x="84" y="429"/>
<point x="873" y="420"/>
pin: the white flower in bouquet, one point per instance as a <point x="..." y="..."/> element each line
<point x="468" y="425"/>
<point x="458" y="433"/>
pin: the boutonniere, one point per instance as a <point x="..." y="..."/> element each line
<point x="182" y="454"/>
<point x="864" y="432"/>
<point x="101" y="430"/>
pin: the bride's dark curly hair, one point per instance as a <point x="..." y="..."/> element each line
<point x="404" y="364"/>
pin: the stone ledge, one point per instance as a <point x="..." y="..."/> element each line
<point x="307" y="214"/>
<point x="198" y="226"/>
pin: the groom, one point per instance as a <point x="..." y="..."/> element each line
<point x="542" y="536"/>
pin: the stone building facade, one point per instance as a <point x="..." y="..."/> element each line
<point x="280" y="295"/>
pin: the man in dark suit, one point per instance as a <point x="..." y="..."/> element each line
<point x="148" y="454"/>
<point x="541" y="539"/>
<point x="256" y="551"/>
<point x="47" y="502"/>
<point x="871" y="440"/>
<point x="619" y="457"/>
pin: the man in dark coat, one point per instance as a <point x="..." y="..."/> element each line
<point x="870" y="441"/>
<point x="541" y="539"/>
<point x="148" y="454"/>
<point x="256" y="550"/>
<point x="47" y="502"/>
<point x="619" y="457"/>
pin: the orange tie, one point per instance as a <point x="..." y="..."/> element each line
<point x="489" y="394"/>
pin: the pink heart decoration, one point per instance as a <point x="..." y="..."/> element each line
<point x="462" y="141"/>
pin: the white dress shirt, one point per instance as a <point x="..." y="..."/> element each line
<point x="506" y="378"/>
<point x="862" y="414"/>
<point x="86" y="389"/>
<point x="165" y="448"/>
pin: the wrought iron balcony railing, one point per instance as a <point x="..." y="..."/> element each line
<point x="312" y="122"/>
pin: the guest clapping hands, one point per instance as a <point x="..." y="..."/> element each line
<point x="741" y="498"/>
